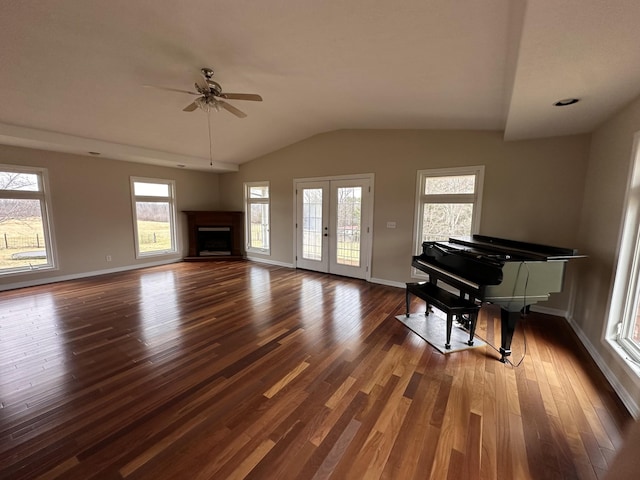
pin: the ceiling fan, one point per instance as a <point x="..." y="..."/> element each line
<point x="211" y="96"/>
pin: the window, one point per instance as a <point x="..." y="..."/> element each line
<point x="154" y="216"/>
<point x="256" y="195"/>
<point x="623" y="326"/>
<point x="26" y="242"/>
<point x="447" y="203"/>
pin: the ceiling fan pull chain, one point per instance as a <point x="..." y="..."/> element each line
<point x="210" y="141"/>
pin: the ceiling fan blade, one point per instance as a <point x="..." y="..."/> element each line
<point x="242" y="96"/>
<point x="232" y="109"/>
<point x="190" y="108"/>
<point x="171" y="89"/>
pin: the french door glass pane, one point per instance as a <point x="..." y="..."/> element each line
<point x="259" y="225"/>
<point x="22" y="239"/>
<point x="443" y="220"/>
<point x="312" y="224"/>
<point x="154" y="226"/>
<point x="349" y="224"/>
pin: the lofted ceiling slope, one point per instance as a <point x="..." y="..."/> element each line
<point x="74" y="72"/>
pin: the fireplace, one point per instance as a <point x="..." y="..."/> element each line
<point x="214" y="241"/>
<point x="214" y="235"/>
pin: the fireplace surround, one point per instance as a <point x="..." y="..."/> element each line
<point x="214" y="235"/>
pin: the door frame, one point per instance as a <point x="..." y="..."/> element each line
<point x="368" y="248"/>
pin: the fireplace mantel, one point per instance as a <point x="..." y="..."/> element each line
<point x="197" y="219"/>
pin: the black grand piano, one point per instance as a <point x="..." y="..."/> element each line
<point x="509" y="273"/>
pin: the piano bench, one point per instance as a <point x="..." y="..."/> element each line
<point x="452" y="305"/>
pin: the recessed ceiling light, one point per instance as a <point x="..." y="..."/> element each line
<point x="566" y="101"/>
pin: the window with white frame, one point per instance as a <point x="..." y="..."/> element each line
<point x="257" y="221"/>
<point x="623" y="326"/>
<point x="448" y="203"/>
<point x="154" y="212"/>
<point x="26" y="241"/>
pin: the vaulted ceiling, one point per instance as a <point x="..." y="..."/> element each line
<point x="74" y="73"/>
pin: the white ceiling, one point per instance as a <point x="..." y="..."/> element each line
<point x="72" y="72"/>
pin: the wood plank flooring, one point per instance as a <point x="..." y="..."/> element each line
<point x="232" y="370"/>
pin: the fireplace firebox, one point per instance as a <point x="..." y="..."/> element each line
<point x="214" y="235"/>
<point x="214" y="241"/>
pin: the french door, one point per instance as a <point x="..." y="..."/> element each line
<point x="333" y="226"/>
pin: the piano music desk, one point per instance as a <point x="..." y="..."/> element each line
<point x="452" y="305"/>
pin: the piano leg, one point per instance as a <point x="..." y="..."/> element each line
<point x="473" y="320"/>
<point x="509" y="320"/>
<point x="449" y="325"/>
<point x="408" y="303"/>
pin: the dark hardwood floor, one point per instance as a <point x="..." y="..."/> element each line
<point x="240" y="370"/>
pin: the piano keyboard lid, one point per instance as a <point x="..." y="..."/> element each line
<point x="455" y="262"/>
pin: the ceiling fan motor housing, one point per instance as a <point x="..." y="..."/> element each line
<point x="212" y="86"/>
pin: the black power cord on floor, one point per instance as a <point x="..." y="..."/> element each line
<point x="507" y="361"/>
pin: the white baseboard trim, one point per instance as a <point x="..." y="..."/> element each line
<point x="75" y="276"/>
<point x="549" y="311"/>
<point x="381" y="281"/>
<point x="270" y="262"/>
<point x="627" y="399"/>
<point x="388" y="283"/>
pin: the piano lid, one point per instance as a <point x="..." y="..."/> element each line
<point x="516" y="250"/>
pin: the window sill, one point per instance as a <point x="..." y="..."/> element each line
<point x="27" y="271"/>
<point x="623" y="355"/>
<point x="259" y="251"/>
<point x="164" y="253"/>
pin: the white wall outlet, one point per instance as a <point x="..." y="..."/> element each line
<point x="107" y="258"/>
<point x="391" y="224"/>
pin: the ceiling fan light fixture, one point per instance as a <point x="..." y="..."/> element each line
<point x="208" y="103"/>
<point x="215" y="104"/>
<point x="565" y="102"/>
<point x="201" y="102"/>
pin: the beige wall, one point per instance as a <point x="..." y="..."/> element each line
<point x="532" y="190"/>
<point x="92" y="211"/>
<point x="566" y="191"/>
<point x="605" y="188"/>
